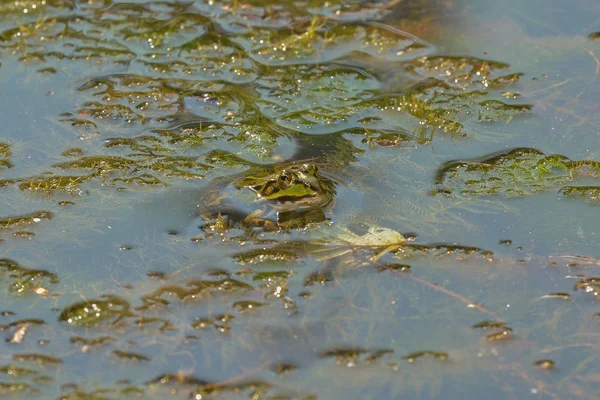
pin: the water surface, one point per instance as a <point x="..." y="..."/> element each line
<point x="465" y="133"/>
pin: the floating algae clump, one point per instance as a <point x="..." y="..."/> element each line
<point x="517" y="172"/>
<point x="93" y="312"/>
<point x="24" y="219"/>
<point x="5" y="154"/>
<point x="25" y="280"/>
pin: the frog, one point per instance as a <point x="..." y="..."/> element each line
<point x="270" y="197"/>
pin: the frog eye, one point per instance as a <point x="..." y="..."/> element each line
<point x="285" y="181"/>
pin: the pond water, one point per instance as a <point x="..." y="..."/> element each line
<point x="387" y="199"/>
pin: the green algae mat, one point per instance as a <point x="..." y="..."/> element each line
<point x="386" y="199"/>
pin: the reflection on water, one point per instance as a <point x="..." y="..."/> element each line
<point x="298" y="200"/>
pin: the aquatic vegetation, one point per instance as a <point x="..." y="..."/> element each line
<point x="330" y="99"/>
<point x="16" y="371"/>
<point x="589" y="285"/>
<point x="250" y="388"/>
<point x="495" y="110"/>
<point x="518" y="172"/>
<point x="5" y="154"/>
<point x="187" y="86"/>
<point x="114" y="170"/>
<point x="24" y="280"/>
<point x="35" y="358"/>
<point x="385" y="138"/>
<point x="270" y="275"/>
<point x="17" y="388"/>
<point x="271" y="255"/>
<point x="463" y="72"/>
<point x="163" y="323"/>
<point x="352" y="357"/>
<point x="194" y="290"/>
<point x="129" y="356"/>
<point x="485" y="325"/>
<point x="545" y="364"/>
<point x="194" y="387"/>
<point x="589" y="193"/>
<point x="463" y="87"/>
<point x="75" y="392"/>
<point x="87" y="343"/>
<point x="324" y="41"/>
<point x="89" y="313"/>
<point x="504" y="334"/>
<point x="247" y="306"/>
<point x="49" y="183"/>
<point x="24" y="219"/>
<point x="154" y="104"/>
<point x="411" y="358"/>
<point x="106" y="165"/>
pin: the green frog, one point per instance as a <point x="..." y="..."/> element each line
<point x="278" y="197"/>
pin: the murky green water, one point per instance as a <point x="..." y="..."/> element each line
<point x="462" y="135"/>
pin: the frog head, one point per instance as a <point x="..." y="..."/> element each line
<point x="297" y="187"/>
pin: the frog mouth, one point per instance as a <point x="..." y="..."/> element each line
<point x="305" y="202"/>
